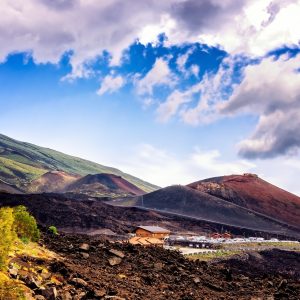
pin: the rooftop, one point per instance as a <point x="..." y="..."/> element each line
<point x="154" y="229"/>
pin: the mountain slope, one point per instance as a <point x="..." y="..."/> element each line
<point x="22" y="162"/>
<point x="104" y="185"/>
<point x="8" y="188"/>
<point x="254" y="193"/>
<point x="188" y="202"/>
<point x="53" y="181"/>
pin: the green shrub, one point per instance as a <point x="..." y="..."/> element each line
<point x="53" y="230"/>
<point x="25" y="225"/>
<point x="7" y="234"/>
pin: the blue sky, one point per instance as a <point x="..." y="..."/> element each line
<point x="170" y="92"/>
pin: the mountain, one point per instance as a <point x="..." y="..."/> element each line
<point x="104" y="185"/>
<point x="53" y="181"/>
<point x="185" y="201"/>
<point x="21" y="163"/>
<point x="8" y="188"/>
<point x="251" y="192"/>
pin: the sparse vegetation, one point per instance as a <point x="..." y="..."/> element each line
<point x="15" y="223"/>
<point x="25" y="225"/>
<point x="7" y="234"/>
<point x="212" y="255"/>
<point x="23" y="162"/>
<point x="53" y="230"/>
<point x="10" y="289"/>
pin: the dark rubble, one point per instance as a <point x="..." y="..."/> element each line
<point x="156" y="273"/>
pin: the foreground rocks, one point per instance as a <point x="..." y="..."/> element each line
<point x="123" y="271"/>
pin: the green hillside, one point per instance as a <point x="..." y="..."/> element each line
<point x="22" y="162"/>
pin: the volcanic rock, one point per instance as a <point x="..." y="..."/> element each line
<point x="114" y="260"/>
<point x="117" y="253"/>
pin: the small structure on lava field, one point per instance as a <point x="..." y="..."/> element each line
<point x="146" y="241"/>
<point x="152" y="231"/>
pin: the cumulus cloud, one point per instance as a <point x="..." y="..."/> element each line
<point x="48" y="29"/>
<point x="159" y="75"/>
<point x="212" y="90"/>
<point x="110" y="84"/>
<point x="249" y="27"/>
<point x="270" y="90"/>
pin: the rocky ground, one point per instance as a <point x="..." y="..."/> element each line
<point x="92" y="268"/>
<point x="79" y="213"/>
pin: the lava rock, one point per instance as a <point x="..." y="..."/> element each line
<point x="85" y="255"/>
<point x="50" y="293"/>
<point x="114" y="260"/>
<point x="79" y="281"/>
<point x="84" y="247"/>
<point x="117" y="253"/>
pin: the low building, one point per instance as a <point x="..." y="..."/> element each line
<point x="152" y="231"/>
<point x="146" y="241"/>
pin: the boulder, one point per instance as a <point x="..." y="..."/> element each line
<point x="114" y="260"/>
<point x="117" y="253"/>
<point x="196" y="280"/>
<point x="100" y="292"/>
<point x="66" y="296"/>
<point x="13" y="272"/>
<point x="50" y="293"/>
<point x="84" y="247"/>
<point x="85" y="255"/>
<point x="79" y="281"/>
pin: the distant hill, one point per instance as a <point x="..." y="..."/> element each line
<point x="252" y="192"/>
<point x="8" y="188"/>
<point x="186" y="201"/>
<point x="21" y="163"/>
<point x="103" y="185"/>
<point x="53" y="181"/>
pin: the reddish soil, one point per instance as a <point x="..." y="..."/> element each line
<point x="104" y="183"/>
<point x="156" y="273"/>
<point x="53" y="181"/>
<point x="253" y="193"/>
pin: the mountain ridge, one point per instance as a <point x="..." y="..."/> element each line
<point x="22" y="162"/>
<point x="252" y="192"/>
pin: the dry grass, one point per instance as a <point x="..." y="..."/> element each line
<point x="212" y="255"/>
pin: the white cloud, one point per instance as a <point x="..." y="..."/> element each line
<point x="246" y="26"/>
<point x="182" y="60"/>
<point x="270" y="90"/>
<point x="110" y="84"/>
<point x="164" y="168"/>
<point x="208" y="93"/>
<point x="159" y="75"/>
<point x="170" y="107"/>
<point x="50" y="28"/>
<point x="195" y="70"/>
